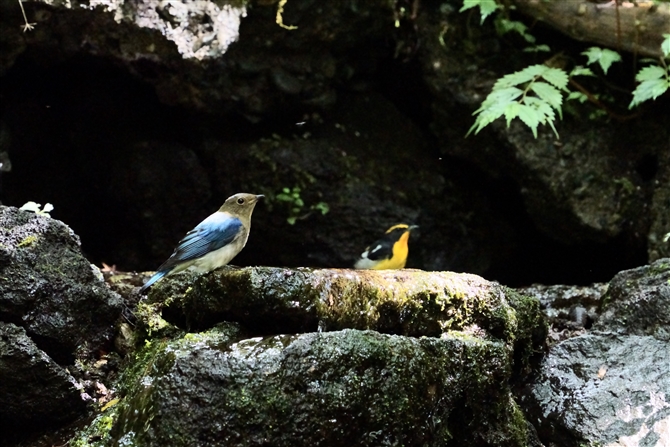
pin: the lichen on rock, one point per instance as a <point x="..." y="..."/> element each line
<point x="269" y="300"/>
<point x="200" y="29"/>
<point x="338" y="388"/>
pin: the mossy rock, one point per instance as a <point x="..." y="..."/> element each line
<point x="339" y="388"/>
<point x="269" y="300"/>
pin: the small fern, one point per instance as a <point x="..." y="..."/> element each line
<point x="531" y="94"/>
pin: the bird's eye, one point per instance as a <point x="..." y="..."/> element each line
<point x="240" y="201"/>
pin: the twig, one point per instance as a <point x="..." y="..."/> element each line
<point x="595" y="101"/>
<point x="27" y="26"/>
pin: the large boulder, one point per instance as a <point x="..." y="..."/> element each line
<point x="610" y="386"/>
<point x="50" y="289"/>
<point x="604" y="388"/>
<point x="455" y="346"/>
<point x="339" y="388"/>
<point x="35" y="392"/>
<point x="637" y="302"/>
<point x="270" y="300"/>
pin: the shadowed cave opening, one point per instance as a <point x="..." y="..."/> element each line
<point x="69" y="122"/>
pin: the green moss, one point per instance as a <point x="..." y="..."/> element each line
<point x="135" y="415"/>
<point x="97" y="434"/>
<point x="28" y="241"/>
<point x="404" y="302"/>
<point x="531" y="331"/>
<point x="658" y="268"/>
<point x="151" y="323"/>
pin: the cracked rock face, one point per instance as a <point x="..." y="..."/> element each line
<point x="611" y="386"/>
<point x="339" y="388"/>
<point x="50" y="289"/>
<point x="35" y="392"/>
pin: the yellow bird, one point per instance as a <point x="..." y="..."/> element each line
<point x="389" y="252"/>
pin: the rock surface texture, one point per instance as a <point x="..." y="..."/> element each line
<point x="35" y="392"/>
<point x="50" y="289"/>
<point x="336" y="388"/>
<point x="329" y="380"/>
<point x="54" y="309"/>
<point x="610" y="386"/>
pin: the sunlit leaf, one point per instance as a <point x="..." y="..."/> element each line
<point x="545" y="112"/>
<point x="579" y="96"/>
<point x="647" y="90"/>
<point x="502" y="96"/>
<point x="603" y="56"/>
<point x="650" y="73"/>
<point x="521" y="76"/>
<point x="581" y="71"/>
<point x="511" y="112"/>
<point x="529" y="117"/>
<point x="548" y="93"/>
<point x="556" y="77"/>
<point x="486" y="7"/>
<point x="665" y="45"/>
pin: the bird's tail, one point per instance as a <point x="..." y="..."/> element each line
<point x="158" y="275"/>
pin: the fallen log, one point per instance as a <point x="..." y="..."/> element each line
<point x="634" y="27"/>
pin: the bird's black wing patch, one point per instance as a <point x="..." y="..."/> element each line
<point x="382" y="249"/>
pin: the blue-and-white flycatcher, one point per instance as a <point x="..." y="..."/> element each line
<point x="214" y="242"/>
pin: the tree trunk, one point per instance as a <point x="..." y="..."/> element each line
<point x="636" y="28"/>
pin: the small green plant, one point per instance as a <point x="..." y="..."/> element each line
<point x="535" y="93"/>
<point x="36" y="208"/>
<point x="291" y="196"/>
<point x="486" y="7"/>
<point x="654" y="80"/>
<point x="602" y="56"/>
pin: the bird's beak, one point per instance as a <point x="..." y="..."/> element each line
<point x="259" y="197"/>
<point x="413" y="227"/>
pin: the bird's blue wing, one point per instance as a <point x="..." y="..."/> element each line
<point x="211" y="234"/>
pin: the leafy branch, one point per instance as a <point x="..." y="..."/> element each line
<point x="535" y="93"/>
<point x="602" y="56"/>
<point x="532" y="95"/>
<point x="654" y="79"/>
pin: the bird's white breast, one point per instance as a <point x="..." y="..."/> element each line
<point x="219" y="258"/>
